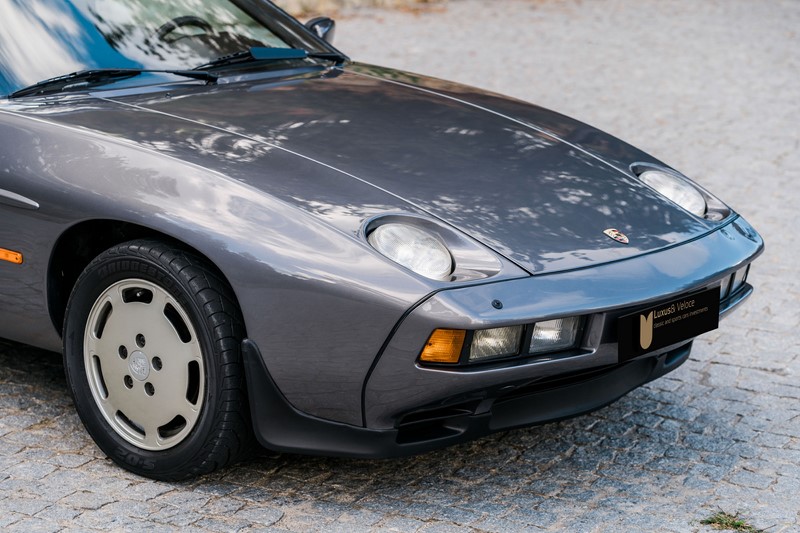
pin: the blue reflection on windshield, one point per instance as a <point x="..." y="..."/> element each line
<point x="41" y="39"/>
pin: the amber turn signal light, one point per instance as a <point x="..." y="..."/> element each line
<point x="10" y="256"/>
<point x="443" y="346"/>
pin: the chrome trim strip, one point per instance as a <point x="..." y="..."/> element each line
<point x="16" y="200"/>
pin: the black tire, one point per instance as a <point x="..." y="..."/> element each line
<point x="124" y="394"/>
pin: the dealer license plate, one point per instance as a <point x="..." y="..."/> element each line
<point x="667" y="323"/>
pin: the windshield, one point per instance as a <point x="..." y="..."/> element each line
<point x="41" y="39"/>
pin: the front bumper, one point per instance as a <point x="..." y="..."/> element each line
<point x="409" y="408"/>
<point x="281" y="427"/>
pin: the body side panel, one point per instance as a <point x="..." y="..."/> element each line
<point x="318" y="302"/>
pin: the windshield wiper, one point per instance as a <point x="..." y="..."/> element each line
<point x="263" y="53"/>
<point x="88" y="78"/>
<point x="94" y="77"/>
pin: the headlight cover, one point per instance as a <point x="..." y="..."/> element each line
<point x="677" y="190"/>
<point x="414" y="248"/>
<point x="555" y="335"/>
<point x="495" y="342"/>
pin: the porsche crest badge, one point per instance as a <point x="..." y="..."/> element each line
<point x="617" y="235"/>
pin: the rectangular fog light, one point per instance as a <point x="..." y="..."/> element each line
<point x="555" y="335"/>
<point x="495" y="342"/>
<point x="723" y="288"/>
<point x="739" y="279"/>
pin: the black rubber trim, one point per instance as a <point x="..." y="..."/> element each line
<point x="281" y="427"/>
<point x="568" y="401"/>
<point x="732" y="301"/>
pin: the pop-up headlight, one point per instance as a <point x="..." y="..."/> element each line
<point x="414" y="248"/>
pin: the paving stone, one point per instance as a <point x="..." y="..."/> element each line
<point x="360" y="517"/>
<point x="304" y="522"/>
<point x="104" y="521"/>
<point x="382" y="504"/>
<point x="668" y="464"/>
<point x="9" y="517"/>
<point x="443" y="527"/>
<point x="752" y="479"/>
<point x="183" y="499"/>
<point x="69" y="460"/>
<point x="58" y="513"/>
<point x="175" y="516"/>
<point x="24" y="505"/>
<point x="215" y="489"/>
<point x="537" y="518"/>
<point x="33" y="525"/>
<point x="500" y="525"/>
<point x="86" y="500"/>
<point x="712" y="472"/>
<point x="259" y="515"/>
<point x="223" y="506"/>
<point x="146" y="490"/>
<point x="456" y="515"/>
<point x="254" y="494"/>
<point x="399" y="524"/>
<point x="221" y="524"/>
<point x="30" y="470"/>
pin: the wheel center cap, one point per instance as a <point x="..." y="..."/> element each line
<point x="139" y="365"/>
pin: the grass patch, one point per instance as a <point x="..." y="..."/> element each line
<point x="729" y="522"/>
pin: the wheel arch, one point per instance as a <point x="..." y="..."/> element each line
<point x="81" y="243"/>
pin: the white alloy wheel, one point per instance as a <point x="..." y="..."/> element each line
<point x="152" y="356"/>
<point x="144" y="364"/>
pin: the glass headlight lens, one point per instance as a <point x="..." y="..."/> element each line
<point x="679" y="191"/>
<point x="414" y="248"/>
<point x="487" y="343"/>
<point x="723" y="287"/>
<point x="555" y="335"/>
<point x="738" y="279"/>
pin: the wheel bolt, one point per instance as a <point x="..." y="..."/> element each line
<point x="123" y="352"/>
<point x="157" y="365"/>
<point x="140" y="340"/>
<point x="149" y="389"/>
<point x="128" y="382"/>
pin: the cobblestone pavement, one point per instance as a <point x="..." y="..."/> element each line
<point x="714" y="89"/>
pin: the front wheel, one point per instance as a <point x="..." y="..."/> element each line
<point x="152" y="355"/>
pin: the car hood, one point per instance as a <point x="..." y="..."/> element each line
<point x="502" y="171"/>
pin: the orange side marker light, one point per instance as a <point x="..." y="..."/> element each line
<point x="10" y="256"/>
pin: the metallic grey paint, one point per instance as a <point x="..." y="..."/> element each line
<point x="273" y="177"/>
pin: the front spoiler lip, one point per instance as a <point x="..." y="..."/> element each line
<point x="279" y="426"/>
